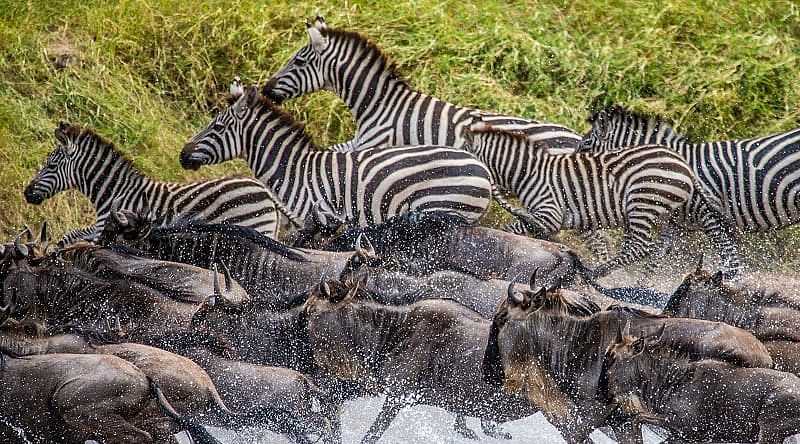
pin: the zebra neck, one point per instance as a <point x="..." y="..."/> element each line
<point x="280" y="158"/>
<point x="104" y="181"/>
<point x="368" y="92"/>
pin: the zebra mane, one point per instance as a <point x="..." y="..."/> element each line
<point x="75" y="131"/>
<point x="286" y="120"/>
<point x="246" y="233"/>
<point x="623" y="116"/>
<point x="368" y="46"/>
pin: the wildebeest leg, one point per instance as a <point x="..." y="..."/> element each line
<point x="491" y="429"/>
<point x="460" y="427"/>
<point x="106" y="427"/>
<point x="391" y="407"/>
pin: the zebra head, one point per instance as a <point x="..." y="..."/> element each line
<point x="221" y="139"/>
<point x="599" y="138"/>
<point x="303" y="74"/>
<point x="59" y="170"/>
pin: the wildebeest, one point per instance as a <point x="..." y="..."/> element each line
<point x="543" y="333"/>
<point x="424" y="242"/>
<point x="427" y="352"/>
<point x="786" y="355"/>
<point x="61" y="289"/>
<point x="702" y="401"/>
<point x="74" y="397"/>
<point x="768" y="315"/>
<point x="274" y="273"/>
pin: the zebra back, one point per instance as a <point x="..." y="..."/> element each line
<point x="85" y="161"/>
<point x="756" y="181"/>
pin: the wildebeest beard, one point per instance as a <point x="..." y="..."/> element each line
<point x="352" y="341"/>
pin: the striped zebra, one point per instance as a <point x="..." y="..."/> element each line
<point x="85" y="161"/>
<point x="387" y="110"/>
<point x="756" y="180"/>
<point x="640" y="189"/>
<point x="367" y="186"/>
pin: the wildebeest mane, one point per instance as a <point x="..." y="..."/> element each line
<point x="246" y="233"/>
<point x="90" y="335"/>
<point x="401" y="232"/>
<point x="632" y="311"/>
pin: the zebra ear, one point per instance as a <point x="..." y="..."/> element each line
<point x="248" y="99"/>
<point x="319" y="22"/>
<point x="318" y="41"/>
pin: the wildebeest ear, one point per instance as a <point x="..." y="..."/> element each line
<point x="700" y="262"/>
<point x="556" y="284"/>
<point x="637" y="346"/>
<point x="324" y="289"/>
<point x="716" y="280"/>
<point x="657" y="336"/>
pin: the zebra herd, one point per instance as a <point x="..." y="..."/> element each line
<point x="416" y="177"/>
<point x="414" y="152"/>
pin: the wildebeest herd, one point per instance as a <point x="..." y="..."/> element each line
<point x="180" y="308"/>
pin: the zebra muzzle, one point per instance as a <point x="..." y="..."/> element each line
<point x="190" y="159"/>
<point x="32" y="196"/>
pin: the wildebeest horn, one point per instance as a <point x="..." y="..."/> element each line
<point x="556" y="284"/>
<point x="2" y="249"/>
<point x="43" y="233"/>
<point x="618" y="339"/>
<point x="369" y="250"/>
<point x="5" y="313"/>
<point x="212" y="300"/>
<point x="117" y="324"/>
<point x="21" y="248"/>
<point x="700" y="262"/>
<point x="717" y="278"/>
<point x="228" y="278"/>
<point x="324" y="288"/>
<point x="532" y="283"/>
<point x="28" y="233"/>
<point x="627" y="330"/>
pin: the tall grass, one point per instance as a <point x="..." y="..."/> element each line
<point x="148" y="74"/>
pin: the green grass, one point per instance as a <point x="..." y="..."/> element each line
<point x="151" y="73"/>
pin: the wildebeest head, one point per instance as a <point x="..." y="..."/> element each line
<point x="624" y="364"/>
<point x="698" y="282"/>
<point x="217" y="309"/>
<point x="350" y="334"/>
<point x="125" y="226"/>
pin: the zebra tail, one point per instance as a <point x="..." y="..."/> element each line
<point x="282" y="208"/>
<point x="198" y="433"/>
<point x="520" y="213"/>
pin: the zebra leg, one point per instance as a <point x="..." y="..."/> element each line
<point x="597" y="242"/>
<point x="666" y="242"/>
<point x="637" y="242"/>
<point x="722" y="236"/>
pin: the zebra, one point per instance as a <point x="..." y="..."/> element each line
<point x="639" y="189"/>
<point x="368" y="186"/>
<point x="83" y="160"/>
<point x="756" y="180"/>
<point x="387" y="110"/>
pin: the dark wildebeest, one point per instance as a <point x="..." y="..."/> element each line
<point x="786" y="355"/>
<point x="424" y="242"/>
<point x="74" y="397"/>
<point x="545" y="333"/>
<point x="274" y="273"/>
<point x="427" y="352"/>
<point x="59" y="290"/>
<point x="768" y="315"/>
<point x="702" y="401"/>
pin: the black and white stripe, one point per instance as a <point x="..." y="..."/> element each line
<point x="387" y="111"/>
<point x="84" y="161"/>
<point x="756" y="180"/>
<point x="638" y="189"/>
<point x="367" y="186"/>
